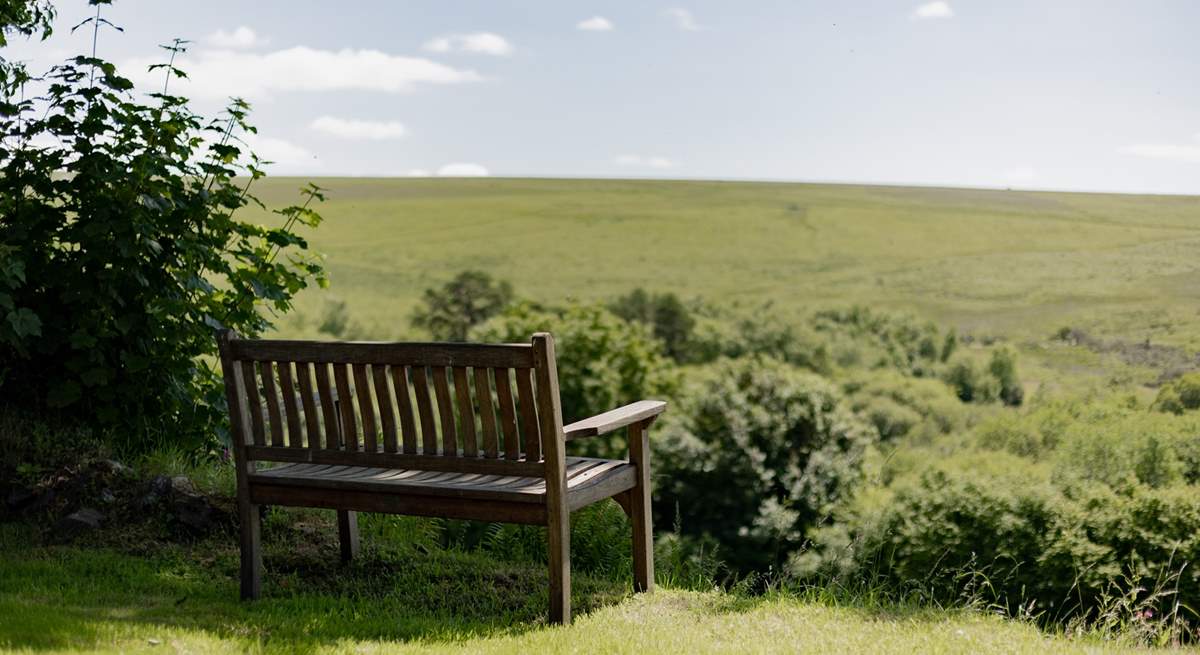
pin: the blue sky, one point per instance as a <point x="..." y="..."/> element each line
<point x="1055" y="94"/>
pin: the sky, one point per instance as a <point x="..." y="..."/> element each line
<point x="1082" y="95"/>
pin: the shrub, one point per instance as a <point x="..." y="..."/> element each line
<point x="1179" y="395"/>
<point x="907" y="344"/>
<point x="471" y="298"/>
<point x="121" y="253"/>
<point x="899" y="405"/>
<point x="603" y="361"/>
<point x="666" y="314"/>
<point x="757" y="454"/>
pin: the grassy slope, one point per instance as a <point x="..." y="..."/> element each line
<point x="68" y="599"/>
<point x="1008" y="262"/>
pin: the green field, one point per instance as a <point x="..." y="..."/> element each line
<point x="1013" y="264"/>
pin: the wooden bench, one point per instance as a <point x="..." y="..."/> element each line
<point x="463" y="431"/>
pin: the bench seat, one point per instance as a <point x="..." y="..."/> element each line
<point x="588" y="479"/>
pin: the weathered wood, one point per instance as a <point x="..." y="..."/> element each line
<point x="345" y="409"/>
<point x="268" y="380"/>
<point x="445" y="412"/>
<point x="348" y="534"/>
<point x="394" y="354"/>
<point x="508" y="417"/>
<point x="408" y="427"/>
<point x="529" y="421"/>
<point x="249" y="523"/>
<point x="312" y="422"/>
<point x="615" y="419"/>
<point x="639" y="505"/>
<point x="329" y="413"/>
<point x="384" y="397"/>
<point x="487" y="412"/>
<point x="287" y="386"/>
<point x="366" y="408"/>
<point x="558" y="514"/>
<point x="466" y="412"/>
<point x="365" y="501"/>
<point x="425" y="409"/>
<point x="253" y="404"/>
<point x="432" y="462"/>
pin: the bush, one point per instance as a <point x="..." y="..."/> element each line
<point x="899" y="405"/>
<point x="121" y="253"/>
<point x="471" y="298"/>
<point x="1020" y="544"/>
<point x="603" y="362"/>
<point x="1179" y="395"/>
<point x="758" y="453"/>
<point x="666" y="315"/>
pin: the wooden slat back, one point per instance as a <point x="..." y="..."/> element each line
<point x="378" y="404"/>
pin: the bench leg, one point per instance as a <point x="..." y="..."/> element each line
<point x="559" y="538"/>
<point x="251" y="542"/>
<point x="348" y="534"/>
<point x="639" y="510"/>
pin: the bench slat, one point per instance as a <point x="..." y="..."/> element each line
<point x="253" y="404"/>
<point x="345" y="409"/>
<point x="529" y="422"/>
<point x="366" y="408"/>
<point x="445" y="412"/>
<point x="312" y="428"/>
<point x="383" y="396"/>
<point x="287" y="386"/>
<point x="487" y="411"/>
<point x="395" y="354"/>
<point x="466" y="412"/>
<point x="425" y="409"/>
<point x="276" y="420"/>
<point x="329" y="413"/>
<point x="396" y="460"/>
<point x="408" y="426"/>
<point x="508" y="417"/>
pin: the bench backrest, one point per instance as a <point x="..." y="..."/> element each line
<point x="435" y="406"/>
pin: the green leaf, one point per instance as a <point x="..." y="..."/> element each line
<point x="64" y="394"/>
<point x="25" y="323"/>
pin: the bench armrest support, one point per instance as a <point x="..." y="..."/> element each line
<point x="618" y="418"/>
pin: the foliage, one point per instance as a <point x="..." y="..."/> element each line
<point x="997" y="381"/>
<point x="1179" y="395"/>
<point x="758" y="453"/>
<point x="469" y="299"/>
<point x="900" y="406"/>
<point x="603" y="361"/>
<point x="666" y="314"/>
<point x="121" y="253"/>
<point x="906" y="344"/>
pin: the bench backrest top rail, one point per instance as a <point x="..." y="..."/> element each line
<point x="438" y="406"/>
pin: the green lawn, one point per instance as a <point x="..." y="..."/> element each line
<point x="146" y="598"/>
<point x="1015" y="263"/>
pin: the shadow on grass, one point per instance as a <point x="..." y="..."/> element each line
<point x="77" y="597"/>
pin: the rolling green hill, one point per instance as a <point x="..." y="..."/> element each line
<point x="1011" y="264"/>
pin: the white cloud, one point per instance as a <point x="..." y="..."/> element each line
<point x="653" y="161"/>
<point x="224" y="73"/>
<point x="595" y="24"/>
<point x="684" y="19"/>
<point x="242" y="37"/>
<point x="417" y="172"/>
<point x="483" y="43"/>
<point x="285" y="156"/>
<point x="462" y="169"/>
<point x="1184" y="152"/>
<point x="360" y="130"/>
<point x="938" y="9"/>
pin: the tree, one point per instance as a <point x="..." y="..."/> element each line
<point x="666" y="314"/>
<point x="469" y="299"/>
<point x="122" y="251"/>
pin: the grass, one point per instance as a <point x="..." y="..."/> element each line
<point x="1016" y="263"/>
<point x="130" y="597"/>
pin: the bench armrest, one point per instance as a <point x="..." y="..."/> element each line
<point x="615" y="419"/>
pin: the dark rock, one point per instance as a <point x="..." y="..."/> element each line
<point x="193" y="512"/>
<point x="113" y="467"/>
<point x="77" y="523"/>
<point x="156" y="492"/>
<point x="107" y="497"/>
<point x="181" y="485"/>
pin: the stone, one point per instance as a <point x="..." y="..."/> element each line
<point x="19" y="497"/>
<point x="77" y="523"/>
<point x="181" y="485"/>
